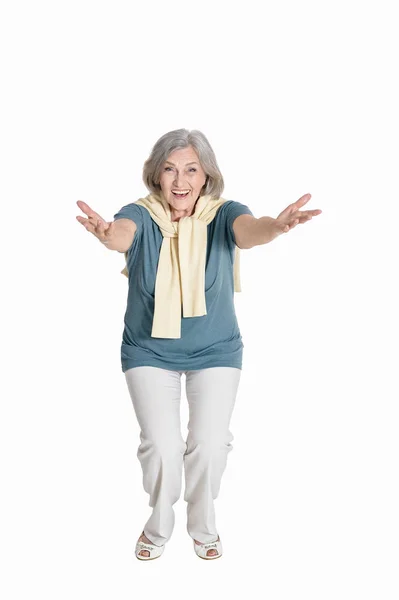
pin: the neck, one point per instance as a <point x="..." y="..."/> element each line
<point x="176" y="215"/>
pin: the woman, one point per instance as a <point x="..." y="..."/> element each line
<point x="181" y="245"/>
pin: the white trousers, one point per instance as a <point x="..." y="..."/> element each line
<point x="211" y="395"/>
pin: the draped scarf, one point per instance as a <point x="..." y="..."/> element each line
<point x="180" y="279"/>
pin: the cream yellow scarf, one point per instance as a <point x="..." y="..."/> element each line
<point x="180" y="277"/>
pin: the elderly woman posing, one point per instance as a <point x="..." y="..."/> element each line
<point x="181" y="245"/>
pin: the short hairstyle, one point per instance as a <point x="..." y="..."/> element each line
<point x="182" y="138"/>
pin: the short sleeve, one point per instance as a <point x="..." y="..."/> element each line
<point x="131" y="211"/>
<point x="234" y="210"/>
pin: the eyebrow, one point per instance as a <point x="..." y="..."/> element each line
<point x="189" y="163"/>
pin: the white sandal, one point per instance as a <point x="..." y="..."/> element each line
<point x="202" y="549"/>
<point x="154" y="551"/>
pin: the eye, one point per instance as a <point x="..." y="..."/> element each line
<point x="193" y="169"/>
<point x="166" y="168"/>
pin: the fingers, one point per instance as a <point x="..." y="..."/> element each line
<point x="94" y="222"/>
<point x="292" y="217"/>
<point x="292" y="208"/>
<point x="311" y="213"/>
<point x="286" y="227"/>
<point x="301" y="202"/>
<point x="293" y="222"/>
<point x="101" y="229"/>
<point x="87" y="224"/>
<point x="306" y="214"/>
<point x="303" y="217"/>
<point x="303" y="199"/>
<point x="87" y="210"/>
<point x="96" y="226"/>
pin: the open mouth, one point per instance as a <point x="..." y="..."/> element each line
<point x="179" y="195"/>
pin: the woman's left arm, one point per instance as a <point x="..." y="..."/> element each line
<point x="250" y="232"/>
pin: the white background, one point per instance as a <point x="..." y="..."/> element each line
<point x="294" y="98"/>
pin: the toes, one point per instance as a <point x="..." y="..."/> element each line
<point x="142" y="553"/>
<point x="211" y="552"/>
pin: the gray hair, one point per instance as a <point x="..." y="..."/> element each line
<point x="182" y="138"/>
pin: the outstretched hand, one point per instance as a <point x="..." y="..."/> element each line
<point x="291" y="216"/>
<point x="94" y="223"/>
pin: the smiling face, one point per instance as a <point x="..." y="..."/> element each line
<point x="182" y="172"/>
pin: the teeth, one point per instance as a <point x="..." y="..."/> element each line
<point x="180" y="193"/>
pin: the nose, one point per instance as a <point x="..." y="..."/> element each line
<point x="178" y="180"/>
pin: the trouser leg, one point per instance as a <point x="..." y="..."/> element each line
<point x="211" y="395"/>
<point x="155" y="394"/>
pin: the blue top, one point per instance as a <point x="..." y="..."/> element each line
<point x="211" y="340"/>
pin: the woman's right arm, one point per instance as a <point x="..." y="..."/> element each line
<point x="117" y="235"/>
